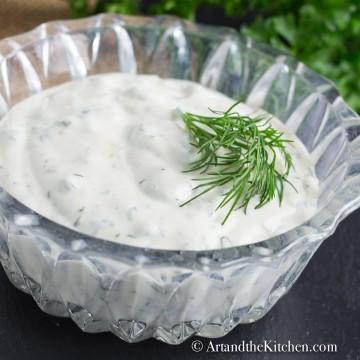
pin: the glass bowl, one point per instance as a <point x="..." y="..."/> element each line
<point x="137" y="293"/>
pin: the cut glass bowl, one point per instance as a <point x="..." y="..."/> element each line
<point x="138" y="293"/>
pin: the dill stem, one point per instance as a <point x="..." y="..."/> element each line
<point x="237" y="148"/>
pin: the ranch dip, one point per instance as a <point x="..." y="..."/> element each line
<point x="105" y="155"/>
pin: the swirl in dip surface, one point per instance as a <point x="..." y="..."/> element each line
<point x="105" y="155"/>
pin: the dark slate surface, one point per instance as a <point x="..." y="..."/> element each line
<point x="322" y="307"/>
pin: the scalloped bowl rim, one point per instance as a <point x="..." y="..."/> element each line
<point x="308" y="237"/>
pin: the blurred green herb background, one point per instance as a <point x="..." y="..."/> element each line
<point x="324" y="34"/>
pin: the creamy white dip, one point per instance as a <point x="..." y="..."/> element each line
<point x="105" y="155"/>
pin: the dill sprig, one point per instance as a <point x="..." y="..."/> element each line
<point x="239" y="152"/>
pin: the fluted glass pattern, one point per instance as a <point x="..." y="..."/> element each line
<point x="170" y="295"/>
